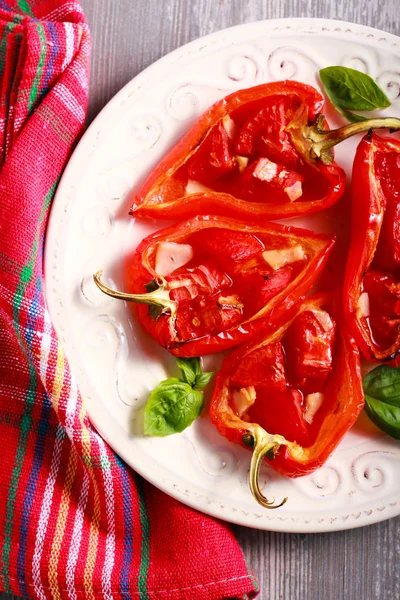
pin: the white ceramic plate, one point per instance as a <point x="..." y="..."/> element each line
<point x="115" y="363"/>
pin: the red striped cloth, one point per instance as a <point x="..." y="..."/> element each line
<point x="75" y="522"/>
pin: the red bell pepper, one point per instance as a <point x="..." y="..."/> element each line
<point x="300" y="382"/>
<point x="246" y="157"/>
<point x="372" y="282"/>
<point x="212" y="282"/>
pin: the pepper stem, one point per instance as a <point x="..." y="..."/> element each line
<point x="314" y="141"/>
<point x="264" y="444"/>
<point x="158" y="298"/>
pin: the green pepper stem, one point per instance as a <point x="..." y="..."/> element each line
<point x="314" y="141"/>
<point x="263" y="444"/>
<point x="159" y="298"/>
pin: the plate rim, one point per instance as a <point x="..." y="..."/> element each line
<point x="96" y="411"/>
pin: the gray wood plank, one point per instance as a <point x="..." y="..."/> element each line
<point x="360" y="564"/>
<point x="128" y="36"/>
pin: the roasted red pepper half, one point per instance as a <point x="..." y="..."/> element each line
<point x="293" y="392"/>
<point x="212" y="282"/>
<point x="246" y="157"/>
<point x="372" y="282"/>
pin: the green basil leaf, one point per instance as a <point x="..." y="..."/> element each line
<point x="190" y="369"/>
<point x="351" y="116"/>
<point x="172" y="406"/>
<point x="385" y="416"/>
<point x="382" y="398"/>
<point x="167" y="383"/>
<point x="202" y="380"/>
<point x="175" y="403"/>
<point x="383" y="383"/>
<point x="352" y="90"/>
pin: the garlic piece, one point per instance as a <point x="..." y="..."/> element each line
<point x="194" y="187"/>
<point x="242" y="162"/>
<point x="171" y="256"/>
<point x="230" y="127"/>
<point x="363" y="305"/>
<point x="243" y="399"/>
<point x="279" y="258"/>
<point x="294" y="191"/>
<point x="313" y="404"/>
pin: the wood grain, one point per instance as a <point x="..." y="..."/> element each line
<point x="360" y="564"/>
<point x="128" y="36"/>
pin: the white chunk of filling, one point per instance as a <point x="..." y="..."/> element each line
<point x="279" y="258"/>
<point x="266" y="170"/>
<point x="313" y="404"/>
<point x="323" y="318"/>
<point x="363" y="305"/>
<point x="171" y="256"/>
<point x="229" y="126"/>
<point x="243" y="399"/>
<point x="230" y="302"/>
<point x="294" y="191"/>
<point x="194" y="187"/>
<point x="242" y="162"/>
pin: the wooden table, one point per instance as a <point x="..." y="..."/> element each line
<point x="129" y="35"/>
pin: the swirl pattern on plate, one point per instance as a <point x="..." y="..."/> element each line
<point x="198" y="76"/>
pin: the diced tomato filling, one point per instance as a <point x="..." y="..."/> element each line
<point x="287" y="375"/>
<point x="309" y="345"/>
<point x="219" y="317"/>
<point x="209" y="297"/>
<point x="264" y="134"/>
<point x="384" y="293"/>
<point x="187" y="284"/>
<point x="249" y="154"/>
<point x="226" y="278"/>
<point x="384" y="307"/>
<point x="214" y="158"/>
<point x="205" y="300"/>
<point x="265" y="180"/>
<point x="281" y="413"/>
<point x="228" y="245"/>
<point x="259" y="287"/>
<point x="205" y="316"/>
<point x="387" y="255"/>
<point x="264" y="366"/>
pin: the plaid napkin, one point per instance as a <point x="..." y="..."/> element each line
<point x="75" y="521"/>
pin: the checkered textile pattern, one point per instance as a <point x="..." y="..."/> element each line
<point x="75" y="521"/>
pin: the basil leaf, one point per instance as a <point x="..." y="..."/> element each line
<point x="352" y="90"/>
<point x="172" y="406"/>
<point x="351" y="116"/>
<point x="202" y="380"/>
<point x="190" y="369"/>
<point x="383" y="383"/>
<point x="385" y="416"/>
<point x="175" y="403"/>
<point x="382" y="398"/>
<point x="167" y="383"/>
